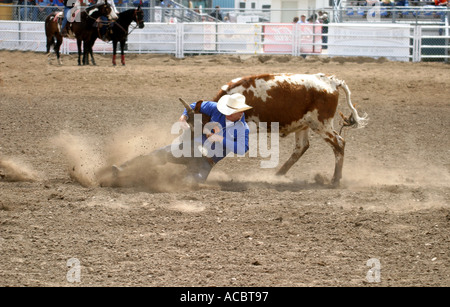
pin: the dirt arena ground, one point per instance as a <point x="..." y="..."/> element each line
<point x="245" y="227"/>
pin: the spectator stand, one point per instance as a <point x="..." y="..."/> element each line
<point x="388" y="11"/>
<point x="164" y="11"/>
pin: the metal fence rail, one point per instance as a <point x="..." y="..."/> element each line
<point x="178" y="13"/>
<point x="399" y="42"/>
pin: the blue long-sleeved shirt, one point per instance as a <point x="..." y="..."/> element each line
<point x="235" y="136"/>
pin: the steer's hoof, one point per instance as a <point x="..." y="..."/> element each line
<point x="115" y="171"/>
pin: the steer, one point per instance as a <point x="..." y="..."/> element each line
<point x="298" y="103"/>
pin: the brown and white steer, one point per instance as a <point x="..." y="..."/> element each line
<point x="298" y="103"/>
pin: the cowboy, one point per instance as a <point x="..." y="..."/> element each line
<point x="226" y="132"/>
<point x="113" y="7"/>
<point x="68" y="7"/>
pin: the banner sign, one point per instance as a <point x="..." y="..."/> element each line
<point x="294" y="39"/>
<point x="390" y="41"/>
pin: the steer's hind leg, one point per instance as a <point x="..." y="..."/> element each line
<point x="337" y="143"/>
<point x="301" y="145"/>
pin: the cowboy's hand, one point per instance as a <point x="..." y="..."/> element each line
<point x="215" y="138"/>
<point x="208" y="132"/>
<point x="184" y="125"/>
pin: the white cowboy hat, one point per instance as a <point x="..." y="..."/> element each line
<point x="230" y="104"/>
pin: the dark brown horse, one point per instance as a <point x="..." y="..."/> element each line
<point x="118" y="31"/>
<point x="82" y="30"/>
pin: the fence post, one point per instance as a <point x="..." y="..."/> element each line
<point x="296" y="39"/>
<point x="293" y="40"/>
<point x="179" y="37"/>
<point x="417" y="42"/>
<point x="446" y="35"/>
<point x="151" y="10"/>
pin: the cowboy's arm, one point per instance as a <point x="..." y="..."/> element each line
<point x="185" y="113"/>
<point x="237" y="144"/>
<point x="184" y="117"/>
<point x="207" y="108"/>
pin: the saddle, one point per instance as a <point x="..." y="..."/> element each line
<point x="104" y="28"/>
<point x="74" y="15"/>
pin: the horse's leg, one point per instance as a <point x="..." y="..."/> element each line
<point x="114" y="52"/>
<point x="91" y="46"/>
<point x="86" y="52"/>
<point x="50" y="42"/>
<point x="59" y="41"/>
<point x="79" y="51"/>
<point x="122" y="53"/>
<point x="92" y="57"/>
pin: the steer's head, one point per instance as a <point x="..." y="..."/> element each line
<point x="191" y="112"/>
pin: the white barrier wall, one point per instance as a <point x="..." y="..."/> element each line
<point x="396" y="42"/>
<point x="155" y="38"/>
<point x="22" y="35"/>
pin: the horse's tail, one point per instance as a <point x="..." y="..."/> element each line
<point x="50" y="31"/>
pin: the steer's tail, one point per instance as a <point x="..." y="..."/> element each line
<point x="354" y="120"/>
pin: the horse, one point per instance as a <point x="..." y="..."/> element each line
<point x="118" y="30"/>
<point x="82" y="30"/>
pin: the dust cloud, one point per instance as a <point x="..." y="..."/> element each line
<point x="413" y="171"/>
<point x="12" y="169"/>
<point x="81" y="157"/>
<point x="90" y="159"/>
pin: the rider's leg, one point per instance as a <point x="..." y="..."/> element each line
<point x="64" y="22"/>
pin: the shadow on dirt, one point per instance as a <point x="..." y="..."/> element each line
<point x="294" y="186"/>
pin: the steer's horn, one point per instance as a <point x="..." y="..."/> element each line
<point x="190" y="113"/>
<point x="188" y="108"/>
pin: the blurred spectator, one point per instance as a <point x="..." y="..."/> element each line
<point x="302" y="18"/>
<point x="387" y="3"/>
<point x="144" y="4"/>
<point x="295" y="20"/>
<point x="55" y="4"/>
<point x="440" y="2"/>
<point x="29" y="11"/>
<point x="59" y="3"/>
<point x="121" y="5"/>
<point x="324" y="20"/>
<point x="313" y="18"/>
<point x="217" y="13"/>
<point x="402" y="3"/>
<point x="44" y="8"/>
<point x="323" y="17"/>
